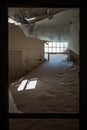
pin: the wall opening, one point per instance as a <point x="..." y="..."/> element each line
<point x="54" y="48"/>
<point x="46" y="56"/>
<point x="15" y="64"/>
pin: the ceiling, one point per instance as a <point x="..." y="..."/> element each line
<point x="48" y="24"/>
<point x="19" y="14"/>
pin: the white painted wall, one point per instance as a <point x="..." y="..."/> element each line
<point x="74" y="33"/>
<point x="74" y="38"/>
<point x="32" y="49"/>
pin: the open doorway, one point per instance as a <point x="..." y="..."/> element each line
<point x="46" y="56"/>
<point x="58" y="58"/>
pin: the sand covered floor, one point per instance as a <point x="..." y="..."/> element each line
<point x="56" y="91"/>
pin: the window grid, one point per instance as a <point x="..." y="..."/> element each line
<point x="55" y="47"/>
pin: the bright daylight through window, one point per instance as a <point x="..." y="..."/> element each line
<point x="27" y="84"/>
<point x="55" y="47"/>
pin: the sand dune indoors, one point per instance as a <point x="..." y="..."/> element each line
<point x="56" y="91"/>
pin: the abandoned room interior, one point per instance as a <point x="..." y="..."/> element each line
<point x="43" y="50"/>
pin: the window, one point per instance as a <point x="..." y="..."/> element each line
<point x="55" y="47"/>
<point x="50" y="49"/>
<point x="50" y="44"/>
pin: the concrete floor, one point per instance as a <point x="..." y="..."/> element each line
<point x="57" y="89"/>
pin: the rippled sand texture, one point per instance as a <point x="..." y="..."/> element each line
<point x="57" y="88"/>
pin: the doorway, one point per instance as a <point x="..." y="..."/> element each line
<point x="58" y="58"/>
<point x="46" y="56"/>
<point x="15" y="63"/>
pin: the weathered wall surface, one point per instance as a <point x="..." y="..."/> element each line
<point x="24" y="53"/>
<point x="74" y="42"/>
<point x="74" y="38"/>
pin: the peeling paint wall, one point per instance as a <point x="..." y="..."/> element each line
<point x="48" y="32"/>
<point x="74" y="38"/>
<point x="32" y="50"/>
<point x="55" y="29"/>
<point x="74" y="42"/>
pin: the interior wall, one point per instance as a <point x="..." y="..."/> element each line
<point x="74" y="38"/>
<point x="15" y="66"/>
<point x="74" y="43"/>
<point x="32" y="50"/>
